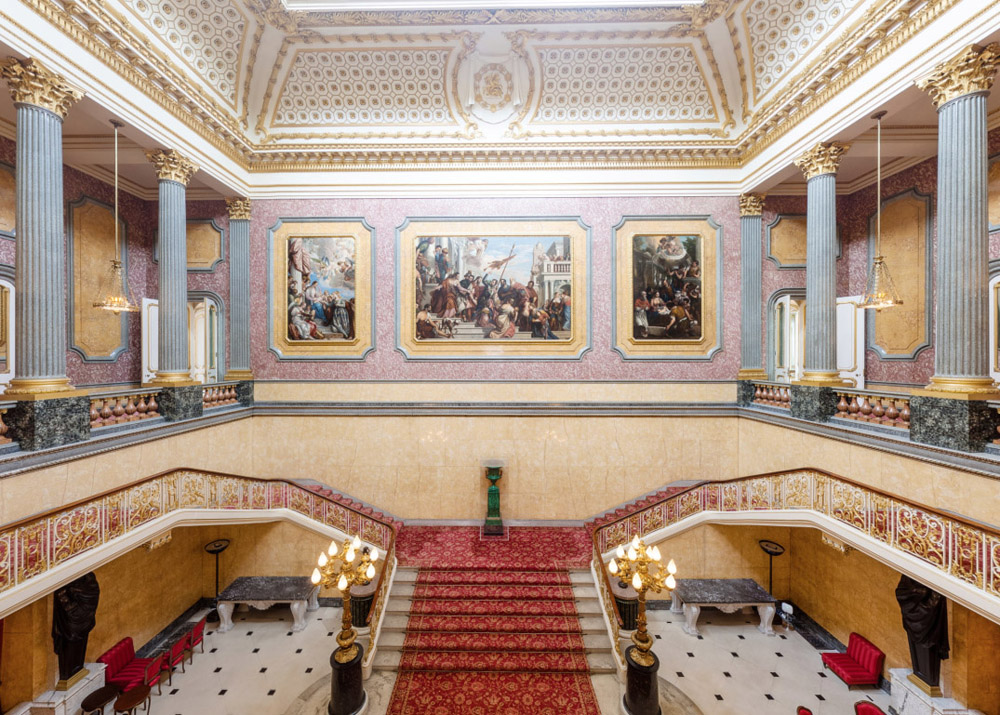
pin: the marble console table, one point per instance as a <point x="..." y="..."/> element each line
<point x="727" y="594"/>
<point x="262" y="592"/>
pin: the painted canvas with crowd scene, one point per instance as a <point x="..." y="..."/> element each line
<point x="666" y="287"/>
<point x="485" y="290"/>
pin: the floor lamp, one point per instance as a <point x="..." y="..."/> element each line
<point x="216" y="547"/>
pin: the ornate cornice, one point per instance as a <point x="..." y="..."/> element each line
<point x="239" y="208"/>
<point x="824" y="158"/>
<point x="972" y="71"/>
<point x="751" y="204"/>
<point x="171" y="166"/>
<point x="30" y="83"/>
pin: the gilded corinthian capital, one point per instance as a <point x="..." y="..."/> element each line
<point x="751" y="204"/>
<point x="30" y="83"/>
<point x="970" y="72"/>
<point x="238" y="208"/>
<point x="171" y="166"/>
<point x="822" y="159"/>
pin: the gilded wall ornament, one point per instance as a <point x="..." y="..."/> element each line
<point x="239" y="208"/>
<point x="972" y="71"/>
<point x="171" y="166"/>
<point x="824" y="158"/>
<point x="752" y="204"/>
<point x="30" y="83"/>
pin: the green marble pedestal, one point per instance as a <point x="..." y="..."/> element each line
<point x="494" y="524"/>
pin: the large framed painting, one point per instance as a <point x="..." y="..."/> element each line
<point x="509" y="289"/>
<point x="668" y="288"/>
<point x="320" y="286"/>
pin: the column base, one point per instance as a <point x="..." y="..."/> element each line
<point x="961" y="388"/>
<point x="752" y="374"/>
<point x="347" y="693"/>
<point x="821" y="379"/>
<point x="50" y="422"/>
<point x="952" y="420"/>
<point x="238" y="375"/>
<point x="812" y="402"/>
<point x="41" y="389"/>
<point x="181" y="402"/>
<point x="642" y="696"/>
<point x="173" y="379"/>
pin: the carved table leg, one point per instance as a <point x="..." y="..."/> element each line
<point x="691" y="614"/>
<point x="299" y="614"/>
<point x="766" y="612"/>
<point x="225" y="609"/>
<point x="675" y="603"/>
<point x="314" y="600"/>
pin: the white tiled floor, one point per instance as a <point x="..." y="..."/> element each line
<point x="259" y="669"/>
<point x="733" y="668"/>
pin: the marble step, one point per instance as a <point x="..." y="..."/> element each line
<point x="592" y="643"/>
<point x="401" y="604"/>
<point x="397" y="622"/>
<point x="580" y="591"/>
<point x="599" y="662"/>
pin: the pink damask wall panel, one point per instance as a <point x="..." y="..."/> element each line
<point x="600" y="363"/>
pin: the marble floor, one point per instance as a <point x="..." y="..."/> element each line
<point x="261" y="667"/>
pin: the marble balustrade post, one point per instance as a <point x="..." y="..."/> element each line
<point x="239" y="289"/>
<point x="751" y="253"/>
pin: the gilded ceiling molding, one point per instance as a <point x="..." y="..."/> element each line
<point x="239" y="208"/>
<point x="171" y="166"/>
<point x="734" y="36"/>
<point x="30" y="83"/>
<point x="251" y="63"/>
<point x="824" y="158"/>
<point x="752" y="204"/>
<point x="506" y="16"/>
<point x="970" y="72"/>
<point x="701" y="15"/>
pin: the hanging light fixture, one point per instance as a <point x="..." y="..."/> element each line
<point x="114" y="294"/>
<point x="880" y="291"/>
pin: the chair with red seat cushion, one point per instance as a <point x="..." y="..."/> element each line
<point x="860" y="665"/>
<point x="153" y="674"/>
<point x="197" y="637"/>
<point x="176" y="655"/>
<point x="863" y="707"/>
<point x="803" y="710"/>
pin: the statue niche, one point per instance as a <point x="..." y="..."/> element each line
<point x="73" y="618"/>
<point x="925" y="618"/>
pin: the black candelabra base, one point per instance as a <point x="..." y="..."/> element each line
<point x="642" y="696"/>
<point x="347" y="694"/>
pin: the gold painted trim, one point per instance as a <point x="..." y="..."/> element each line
<point x="751" y="375"/>
<point x="961" y="388"/>
<point x="47" y="388"/>
<point x="238" y="376"/>
<point x="173" y="378"/>
<point x="79" y="675"/>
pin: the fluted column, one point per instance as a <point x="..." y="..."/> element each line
<point x="239" y="289"/>
<point x="42" y="99"/>
<point x="959" y="89"/>
<point x="173" y="172"/>
<point x="751" y="353"/>
<point x="819" y="165"/>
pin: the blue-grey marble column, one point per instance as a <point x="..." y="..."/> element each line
<point x="959" y="88"/>
<point x="42" y="100"/>
<point x="239" y="289"/>
<point x="173" y="172"/>
<point x="820" y="165"/>
<point x="751" y="326"/>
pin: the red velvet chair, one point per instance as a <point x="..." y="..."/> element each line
<point x="176" y="655"/>
<point x="123" y="668"/>
<point x="863" y="707"/>
<point x="803" y="710"/>
<point x="860" y="665"/>
<point x="154" y="672"/>
<point x="197" y="638"/>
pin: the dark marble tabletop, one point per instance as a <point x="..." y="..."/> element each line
<point x="706" y="591"/>
<point x="268" y="588"/>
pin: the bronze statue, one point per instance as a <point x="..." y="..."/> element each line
<point x="73" y="618"/>
<point x="925" y="618"/>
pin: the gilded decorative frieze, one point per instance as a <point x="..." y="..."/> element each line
<point x="171" y="166"/>
<point x="75" y="531"/>
<point x="824" y="158"/>
<point x="239" y="208"/>
<point x="972" y="71"/>
<point x="751" y="204"/>
<point x="31" y="83"/>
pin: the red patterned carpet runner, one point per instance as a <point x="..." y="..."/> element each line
<point x="487" y="636"/>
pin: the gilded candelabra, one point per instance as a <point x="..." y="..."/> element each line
<point x="343" y="567"/>
<point x="633" y="566"/>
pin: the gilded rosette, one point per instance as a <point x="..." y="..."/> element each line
<point x="30" y="83"/>
<point x="970" y="72"/>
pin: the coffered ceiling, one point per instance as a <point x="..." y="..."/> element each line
<point x="320" y="85"/>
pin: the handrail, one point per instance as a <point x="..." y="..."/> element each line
<point x="888" y="409"/>
<point x="114" y="407"/>
<point x="956" y="546"/>
<point x="607" y="599"/>
<point x="774" y="394"/>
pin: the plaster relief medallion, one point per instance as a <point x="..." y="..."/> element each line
<point x="493" y="84"/>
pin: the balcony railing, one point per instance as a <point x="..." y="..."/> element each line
<point x="116" y="408"/>
<point x="772" y="394"/>
<point x="219" y="395"/>
<point x="877" y="408"/>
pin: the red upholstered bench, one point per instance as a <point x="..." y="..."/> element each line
<point x="860" y="665"/>
<point x="125" y="670"/>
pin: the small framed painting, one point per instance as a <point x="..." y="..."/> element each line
<point x="667" y="287"/>
<point x="509" y="289"/>
<point x="320" y="287"/>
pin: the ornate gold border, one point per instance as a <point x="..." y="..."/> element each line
<point x="363" y="340"/>
<point x="406" y="309"/>
<point x="710" y="341"/>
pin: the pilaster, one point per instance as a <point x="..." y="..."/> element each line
<point x="751" y="351"/>
<point x="239" y="289"/>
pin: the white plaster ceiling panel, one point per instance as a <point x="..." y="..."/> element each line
<point x="208" y="35"/>
<point x="369" y="87"/>
<point x="781" y="33"/>
<point x="663" y="83"/>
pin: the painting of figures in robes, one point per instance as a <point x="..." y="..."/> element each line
<point x="667" y="284"/>
<point x="498" y="289"/>
<point x="321" y="287"/>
